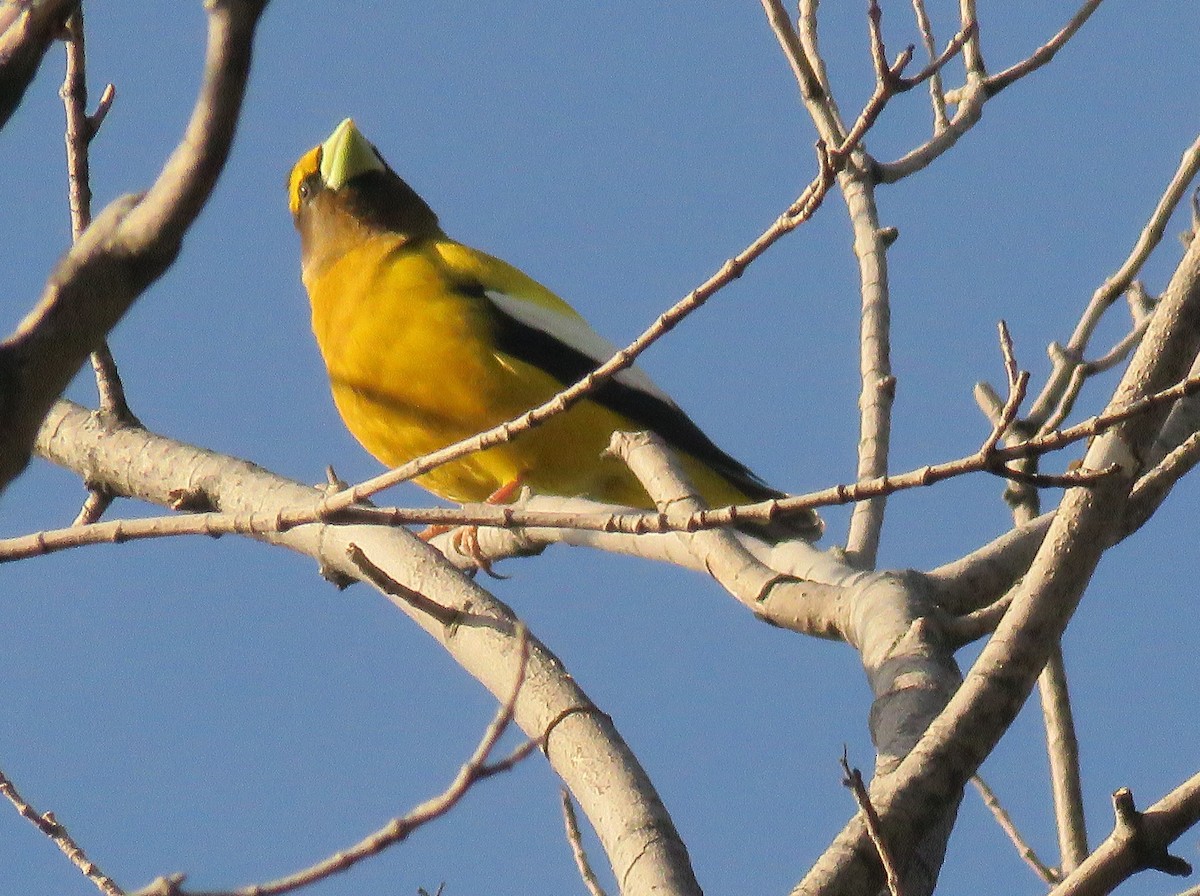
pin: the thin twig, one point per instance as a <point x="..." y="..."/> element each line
<point x="1150" y="490"/>
<point x="52" y="828"/>
<point x="937" y="97"/>
<point x="1070" y="392"/>
<point x="1121" y="348"/>
<point x="806" y="29"/>
<point x="802" y="66"/>
<point x="1062" y="750"/>
<point x="1042" y="54"/>
<point x="974" y="94"/>
<point x="1116" y="284"/>
<point x="575" y="838"/>
<point x="889" y="82"/>
<point x="1069" y="371"/>
<point x="1018" y="382"/>
<point x="853" y="781"/>
<point x="1082" y="371"/>
<point x="1024" y="850"/>
<point x="81" y="130"/>
<point x="385" y="583"/>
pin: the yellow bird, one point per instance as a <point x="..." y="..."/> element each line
<point x="428" y="341"/>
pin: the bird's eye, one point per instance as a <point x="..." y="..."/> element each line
<point x="307" y="188"/>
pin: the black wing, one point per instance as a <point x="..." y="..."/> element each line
<point x="568" y="364"/>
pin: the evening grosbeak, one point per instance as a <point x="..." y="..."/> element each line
<point x="428" y="341"/>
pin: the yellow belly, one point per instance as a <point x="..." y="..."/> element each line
<point x="412" y="370"/>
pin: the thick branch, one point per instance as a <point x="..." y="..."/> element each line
<point x="581" y="742"/>
<point x="812" y="607"/>
<point x="931" y="777"/>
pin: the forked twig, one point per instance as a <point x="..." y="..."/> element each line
<point x="81" y="129"/>
<point x="475" y="769"/>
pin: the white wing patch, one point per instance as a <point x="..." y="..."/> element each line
<point x="577" y="334"/>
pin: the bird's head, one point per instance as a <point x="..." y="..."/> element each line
<point x="342" y="192"/>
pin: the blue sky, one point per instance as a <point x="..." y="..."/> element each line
<point x="217" y="708"/>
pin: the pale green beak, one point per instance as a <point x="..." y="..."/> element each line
<point x="346" y="154"/>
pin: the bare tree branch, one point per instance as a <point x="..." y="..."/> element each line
<point x="1153" y="488"/>
<point x="812" y="607"/>
<point x="977" y="90"/>
<point x="27" y="28"/>
<point x="1062" y="749"/>
<point x="933" y="774"/>
<point x="126" y="248"/>
<point x="614" y="520"/>
<point x="1052" y="404"/>
<point x="1140" y="841"/>
<point x="1024" y="850"/>
<point x="50" y="826"/>
<point x="857" y="180"/>
<point x="581" y="742"/>
<point x="813" y="86"/>
<point x="1061" y="742"/>
<point x="972" y="53"/>
<point x="937" y="96"/>
<point x="575" y="839"/>
<point x="1108" y="292"/>
<point x="853" y="780"/>
<point x="1043" y="54"/>
<point x="474" y="770"/>
<point x="878" y="384"/>
<point x="81" y="130"/>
